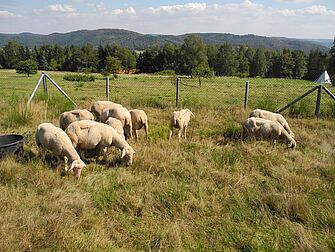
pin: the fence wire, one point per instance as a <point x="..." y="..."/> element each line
<point x="136" y="91"/>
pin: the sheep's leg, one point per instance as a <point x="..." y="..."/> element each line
<point x="185" y="129"/>
<point x="180" y="133"/>
<point x="146" y="128"/>
<point x="58" y="164"/>
<point x="170" y="134"/>
<point x="65" y="163"/>
<point x="104" y="150"/>
<point x="135" y="134"/>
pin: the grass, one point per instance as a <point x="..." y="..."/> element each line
<point x="210" y="192"/>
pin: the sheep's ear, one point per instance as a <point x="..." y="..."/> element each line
<point x="123" y="153"/>
<point x="72" y="165"/>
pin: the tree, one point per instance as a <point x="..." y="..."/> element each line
<point x="331" y="63"/>
<point x="112" y="66"/>
<point x="299" y="64"/>
<point x="27" y="67"/>
<point x="202" y="71"/>
<point x="11" y="54"/>
<point x="147" y="60"/>
<point x="192" y="55"/>
<point x="259" y="64"/>
<point x="316" y="64"/>
<point x="226" y="63"/>
<point x="243" y="62"/>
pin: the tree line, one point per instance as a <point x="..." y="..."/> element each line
<point x="192" y="58"/>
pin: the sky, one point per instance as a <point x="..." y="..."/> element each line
<point x="314" y="19"/>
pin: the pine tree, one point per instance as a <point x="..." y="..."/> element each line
<point x="331" y="63"/>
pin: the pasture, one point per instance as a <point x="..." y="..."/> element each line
<point x="210" y="192"/>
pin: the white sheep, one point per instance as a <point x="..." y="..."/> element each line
<point x="88" y="134"/>
<point x="74" y="115"/>
<point x="139" y="119"/>
<point x="267" y="129"/>
<point x="98" y="106"/>
<point x="54" y="139"/>
<point x="276" y="117"/>
<point x="121" y="114"/>
<point x="116" y="124"/>
<point x="180" y="119"/>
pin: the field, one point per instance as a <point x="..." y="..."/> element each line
<point x="210" y="192"/>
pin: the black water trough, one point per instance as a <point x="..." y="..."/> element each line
<point x="10" y="144"/>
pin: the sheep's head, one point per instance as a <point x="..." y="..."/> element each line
<point x="127" y="155"/>
<point x="77" y="166"/>
<point x="292" y="144"/>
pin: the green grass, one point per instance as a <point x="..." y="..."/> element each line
<point x="210" y="192"/>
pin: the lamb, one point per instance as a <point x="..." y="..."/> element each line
<point x="98" y="106"/>
<point x="116" y="124"/>
<point x="180" y="119"/>
<point x="121" y="114"/>
<point x="50" y="137"/>
<point x="88" y="134"/>
<point x="276" y="117"/>
<point x="74" y="115"/>
<point x="139" y="119"/>
<point x="266" y="129"/>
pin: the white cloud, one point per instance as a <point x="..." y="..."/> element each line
<point x="179" y="7"/>
<point x="130" y="10"/>
<point x="97" y="7"/>
<point x="316" y="10"/>
<point x="296" y="1"/>
<point x="6" y="14"/>
<point x="61" y="8"/>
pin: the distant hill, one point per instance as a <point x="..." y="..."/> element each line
<point x="325" y="42"/>
<point x="138" y="41"/>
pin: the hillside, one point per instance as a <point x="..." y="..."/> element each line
<point x="134" y="40"/>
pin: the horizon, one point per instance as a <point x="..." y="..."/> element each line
<point x="299" y="19"/>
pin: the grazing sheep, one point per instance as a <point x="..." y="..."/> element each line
<point x="139" y="119"/>
<point x="88" y="134"/>
<point x="50" y="137"/>
<point x="74" y="115"/>
<point x="116" y="124"/>
<point x="121" y="114"/>
<point x="98" y="106"/>
<point x="266" y="129"/>
<point x="180" y="119"/>
<point x="276" y="117"/>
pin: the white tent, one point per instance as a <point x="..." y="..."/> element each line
<point x="324" y="78"/>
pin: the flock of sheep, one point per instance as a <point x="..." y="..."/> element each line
<point x="110" y="124"/>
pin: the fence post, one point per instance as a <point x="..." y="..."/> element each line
<point x="318" y="101"/>
<point x="45" y="87"/>
<point x="177" y="91"/>
<point x="107" y="88"/>
<point x="246" y="94"/>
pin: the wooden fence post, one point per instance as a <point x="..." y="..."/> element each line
<point x="45" y="86"/>
<point x="246" y="94"/>
<point x="318" y="101"/>
<point x="107" y="88"/>
<point x="177" y="91"/>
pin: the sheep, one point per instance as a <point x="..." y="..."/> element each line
<point x="50" y="137"/>
<point x="276" y="117"/>
<point x="98" y="106"/>
<point x="180" y="119"/>
<point x="121" y="114"/>
<point x="139" y="119"/>
<point x="267" y="129"/>
<point x="74" y="115"/>
<point x="88" y="134"/>
<point x="116" y="124"/>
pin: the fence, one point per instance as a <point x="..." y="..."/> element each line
<point x="161" y="92"/>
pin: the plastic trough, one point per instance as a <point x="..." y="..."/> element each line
<point x="10" y="144"/>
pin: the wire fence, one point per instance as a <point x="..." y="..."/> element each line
<point x="136" y="91"/>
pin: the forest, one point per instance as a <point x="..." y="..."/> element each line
<point x="192" y="58"/>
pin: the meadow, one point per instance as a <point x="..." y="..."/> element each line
<point x="210" y="192"/>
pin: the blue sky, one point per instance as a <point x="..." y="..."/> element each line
<point x="284" y="18"/>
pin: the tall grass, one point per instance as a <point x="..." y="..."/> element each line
<point x="210" y="192"/>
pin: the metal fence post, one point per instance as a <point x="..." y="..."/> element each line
<point x="318" y="101"/>
<point x="177" y="91"/>
<point x="107" y="88"/>
<point x="246" y="94"/>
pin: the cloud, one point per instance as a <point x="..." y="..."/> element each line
<point x="296" y="1"/>
<point x="6" y="14"/>
<point x="130" y="10"/>
<point x="61" y="8"/>
<point x="195" y="7"/>
<point x="316" y="10"/>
